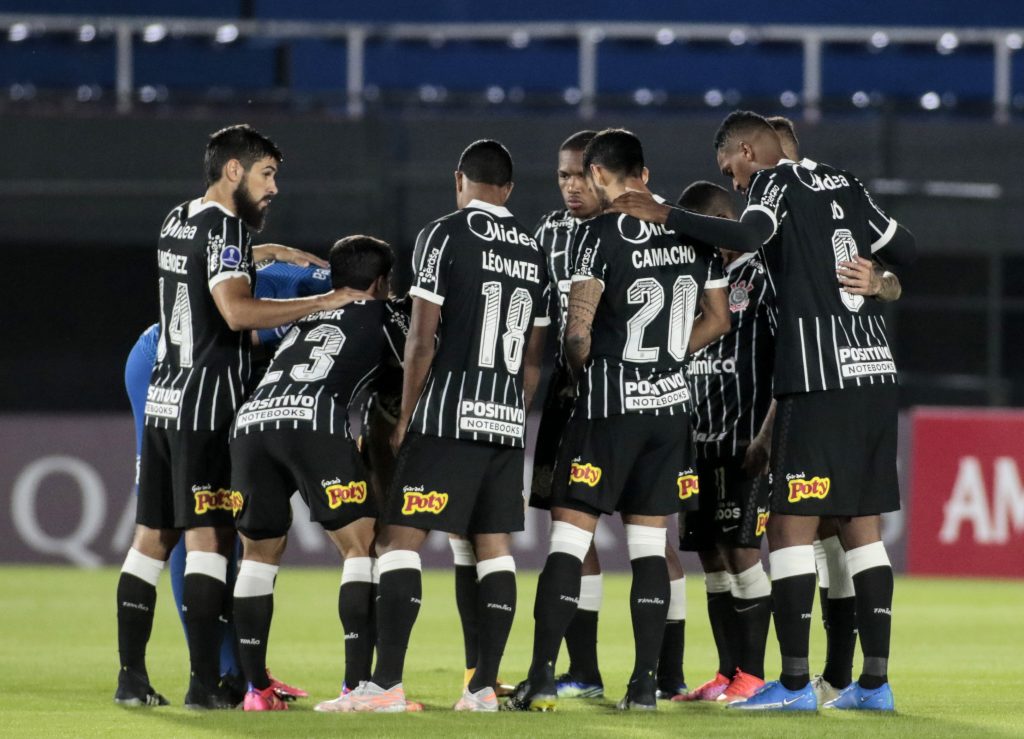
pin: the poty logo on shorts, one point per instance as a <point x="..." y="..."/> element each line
<point x="420" y="502"/>
<point x="587" y="474"/>
<point x="802" y="489"/>
<point x="353" y="492"/>
<point x="219" y="500"/>
<point x="689" y="485"/>
<point x="762" y="522"/>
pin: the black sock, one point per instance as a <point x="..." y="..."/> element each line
<point x="466" y="597"/>
<point x="874" y="623"/>
<point x="823" y="600"/>
<point x="752" y="618"/>
<point x="252" y="626"/>
<point x="497" y="610"/>
<point x="398" y="605"/>
<point x="841" y="634"/>
<point x="371" y="630"/>
<point x="723" y="629"/>
<point x="581" y="643"/>
<point x="670" y="659"/>
<point x="558" y="593"/>
<point x="792" y="601"/>
<point x="136" y="600"/>
<point x="354" y="612"/>
<point x="648" y="607"/>
<point x="202" y="598"/>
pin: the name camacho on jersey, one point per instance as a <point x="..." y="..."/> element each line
<point x="322" y="364"/>
<point x="202" y="367"/>
<point x="652" y="282"/>
<point x="488" y="275"/>
<point x="731" y="379"/>
<point x="826" y="339"/>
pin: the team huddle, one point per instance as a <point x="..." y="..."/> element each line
<point x="734" y="371"/>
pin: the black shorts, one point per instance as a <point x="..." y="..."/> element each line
<point x="633" y="463"/>
<point x="185" y="479"/>
<point x="375" y="448"/>
<point x="733" y="507"/>
<point x="269" y="466"/>
<point x="555" y="417"/>
<point x="834" y="453"/>
<point x="462" y="487"/>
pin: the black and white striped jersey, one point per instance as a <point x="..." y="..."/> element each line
<point x="731" y="379"/>
<point x="202" y="367"/>
<point x="653" y="281"/>
<point x="826" y="338"/>
<point x="554" y="234"/>
<point x="488" y="275"/>
<point x="322" y="364"/>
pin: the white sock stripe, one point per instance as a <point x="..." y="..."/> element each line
<point x="400" y="559"/>
<point x="644" y="541"/>
<point x="255" y="579"/>
<point x="677" y="600"/>
<point x="591" y="592"/>
<point x="866" y="557"/>
<point x="792" y="561"/>
<point x="752" y="583"/>
<point x="840" y="581"/>
<point x="210" y="564"/>
<point x="487" y="567"/>
<point x="462" y="552"/>
<point x="717" y="582"/>
<point x="821" y="563"/>
<point x="569" y="539"/>
<point x="145" y="568"/>
<point x="374" y="571"/>
<point x="357" y="569"/>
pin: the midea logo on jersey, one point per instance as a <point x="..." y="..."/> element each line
<point x="644" y="230"/>
<point x="482" y="224"/>
<point x="176" y="229"/>
<point x="816" y="182"/>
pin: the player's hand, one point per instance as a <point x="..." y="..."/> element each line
<point x="398" y="435"/>
<point x="755" y="460"/>
<point x="282" y="253"/>
<point x="859" y="277"/>
<point x="640" y="205"/>
<point x="342" y="296"/>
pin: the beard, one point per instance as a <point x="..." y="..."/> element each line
<point x="602" y="196"/>
<point x="249" y="209"/>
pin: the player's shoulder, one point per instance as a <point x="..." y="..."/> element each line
<point x="556" y="220"/>
<point x="398" y="312"/>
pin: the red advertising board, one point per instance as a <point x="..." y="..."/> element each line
<point x="967" y="498"/>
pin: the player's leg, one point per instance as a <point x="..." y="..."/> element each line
<point x="671" y="680"/>
<point x="355" y="598"/>
<point x="466" y="592"/>
<point x="583" y="679"/>
<point x="840" y="613"/>
<point x="752" y="613"/>
<point x="717" y="584"/>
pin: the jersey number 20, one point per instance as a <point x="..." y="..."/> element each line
<point x="520" y="307"/>
<point x="650" y="295"/>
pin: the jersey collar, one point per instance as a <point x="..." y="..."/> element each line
<point x="198" y="205"/>
<point x="496" y="210"/>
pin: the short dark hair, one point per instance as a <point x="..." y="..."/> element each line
<point x="782" y="125"/>
<point x="740" y="122"/>
<point x="487" y="162"/>
<point x="356" y="261"/>
<point x="578" y="141"/>
<point x="617" y="150"/>
<point x="241" y="142"/>
<point x="707" y="198"/>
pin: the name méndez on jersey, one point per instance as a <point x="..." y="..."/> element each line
<point x="489" y="277"/>
<point x="202" y="367"/>
<point x="653" y="281"/>
<point x="826" y="339"/>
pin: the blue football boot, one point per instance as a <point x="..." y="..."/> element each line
<point x="775" y="697"/>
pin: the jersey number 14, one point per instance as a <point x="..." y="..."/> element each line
<point x="179" y="326"/>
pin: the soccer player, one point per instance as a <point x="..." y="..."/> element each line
<point x="731" y="382"/>
<point x="292" y="433"/>
<point x="481" y="288"/>
<point x="632" y="321"/>
<point x="205" y="261"/>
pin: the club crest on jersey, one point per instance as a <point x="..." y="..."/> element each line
<point x="482" y="225"/>
<point x="688" y="484"/>
<point x="800" y="488"/>
<point x="338" y="493"/>
<point x="217" y="500"/>
<point x="762" y="522"/>
<point x="585" y="474"/>
<point x="739" y="296"/>
<point x="640" y="232"/>
<point x="417" y="501"/>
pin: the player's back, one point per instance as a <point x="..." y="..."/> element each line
<point x="553" y="235"/>
<point x="489" y="277"/>
<point x="652" y="282"/>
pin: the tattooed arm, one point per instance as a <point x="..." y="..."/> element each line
<point x="584" y="296"/>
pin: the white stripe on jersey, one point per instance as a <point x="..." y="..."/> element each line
<point x="213" y="406"/>
<point x="462" y="387"/>
<point x="316" y="406"/>
<point x="835" y="349"/>
<point x="444" y="394"/>
<point x="821" y="359"/>
<point x="803" y="355"/>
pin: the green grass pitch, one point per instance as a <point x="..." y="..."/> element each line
<point x="957" y="666"/>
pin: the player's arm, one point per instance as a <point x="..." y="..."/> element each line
<point x="741" y="236"/>
<point x="755" y="460"/>
<point x="419" y="354"/>
<point x="532" y="362"/>
<point x="893" y="244"/>
<point x="282" y="253"/>
<point x="584" y="295"/>
<point x="713" y="322"/>
<point x="242" y="311"/>
<point x="863" y="277"/>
